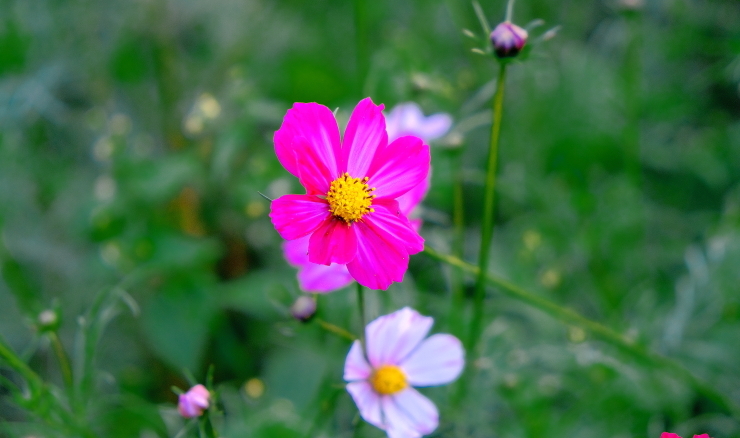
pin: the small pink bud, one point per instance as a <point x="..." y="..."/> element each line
<point x="303" y="308"/>
<point x="192" y="403"/>
<point x="508" y="39"/>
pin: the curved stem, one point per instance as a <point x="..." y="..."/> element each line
<point x="63" y="359"/>
<point x="488" y="216"/>
<point x="339" y="331"/>
<point x="509" y="10"/>
<point x="569" y="316"/>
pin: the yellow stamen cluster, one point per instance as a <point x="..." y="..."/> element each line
<point x="349" y="198"/>
<point x="388" y="379"/>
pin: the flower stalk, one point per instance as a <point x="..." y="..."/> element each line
<point x="488" y="214"/>
<point x="63" y="358"/>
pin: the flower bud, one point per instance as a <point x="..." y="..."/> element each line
<point x="508" y="39"/>
<point x="192" y="403"/>
<point x="304" y="308"/>
<point x="48" y="320"/>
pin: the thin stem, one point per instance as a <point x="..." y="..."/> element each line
<point x="361" y="308"/>
<point x="10" y="358"/>
<point x="509" y="10"/>
<point x="569" y="316"/>
<point x="339" y="331"/>
<point x="62" y="357"/>
<point x="488" y="216"/>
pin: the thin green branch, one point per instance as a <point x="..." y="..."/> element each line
<point x="569" y="316"/>
<point x="63" y="359"/>
<point x="339" y="331"/>
<point x="488" y="216"/>
<point x="361" y="309"/>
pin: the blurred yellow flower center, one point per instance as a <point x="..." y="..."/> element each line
<point x="388" y="379"/>
<point x="349" y="198"/>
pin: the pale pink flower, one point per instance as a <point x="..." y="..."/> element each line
<point x="399" y="358"/>
<point x="350" y="213"/>
<point x="408" y="119"/>
<point x="194" y="402"/>
<point x="673" y="435"/>
<point x="403" y="119"/>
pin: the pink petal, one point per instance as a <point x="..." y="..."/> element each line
<point x="390" y="338"/>
<point x="365" y="135"/>
<point x="317" y="125"/>
<point x="399" y="167"/>
<point x="409" y="414"/>
<point x="388" y="218"/>
<point x="313" y="277"/>
<point x="669" y="435"/>
<point x="355" y="366"/>
<point x="313" y="172"/>
<point x="381" y="258"/>
<point x="333" y="242"/>
<point x="437" y="361"/>
<point x="367" y="401"/>
<point x="200" y="396"/>
<point x="296" y="216"/>
<point x="411" y="199"/>
<point x="323" y="279"/>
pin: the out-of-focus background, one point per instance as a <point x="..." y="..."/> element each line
<point x="136" y="135"/>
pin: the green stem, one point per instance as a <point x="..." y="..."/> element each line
<point x="339" y="331"/>
<point x="621" y="342"/>
<point x="13" y="361"/>
<point x="63" y="359"/>
<point x="361" y="308"/>
<point x="488" y="216"/>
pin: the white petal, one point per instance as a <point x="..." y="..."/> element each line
<point x="355" y="366"/>
<point x="368" y="402"/>
<point x="391" y="338"/>
<point x="409" y="414"/>
<point x="437" y="361"/>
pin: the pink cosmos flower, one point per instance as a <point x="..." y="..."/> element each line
<point x="194" y="402"/>
<point x="673" y="435"/>
<point x="403" y="119"/>
<point x="350" y="213"/>
<point x="399" y="358"/>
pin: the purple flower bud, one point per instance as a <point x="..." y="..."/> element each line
<point x="192" y="403"/>
<point x="508" y="39"/>
<point x="303" y="308"/>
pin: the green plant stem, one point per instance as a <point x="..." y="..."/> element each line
<point x="488" y="214"/>
<point x="335" y="329"/>
<point x="63" y="358"/>
<point x="13" y="361"/>
<point x="621" y="342"/>
<point x="361" y="308"/>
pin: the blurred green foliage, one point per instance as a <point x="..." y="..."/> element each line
<point x="135" y="138"/>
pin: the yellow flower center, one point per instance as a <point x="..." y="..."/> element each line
<point x="349" y="198"/>
<point x="388" y="379"/>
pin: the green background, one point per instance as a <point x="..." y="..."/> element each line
<point x="136" y="135"/>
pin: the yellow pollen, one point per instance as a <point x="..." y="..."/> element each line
<point x="388" y="379"/>
<point x="349" y="198"/>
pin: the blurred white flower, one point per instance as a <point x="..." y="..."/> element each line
<point x="408" y="119"/>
